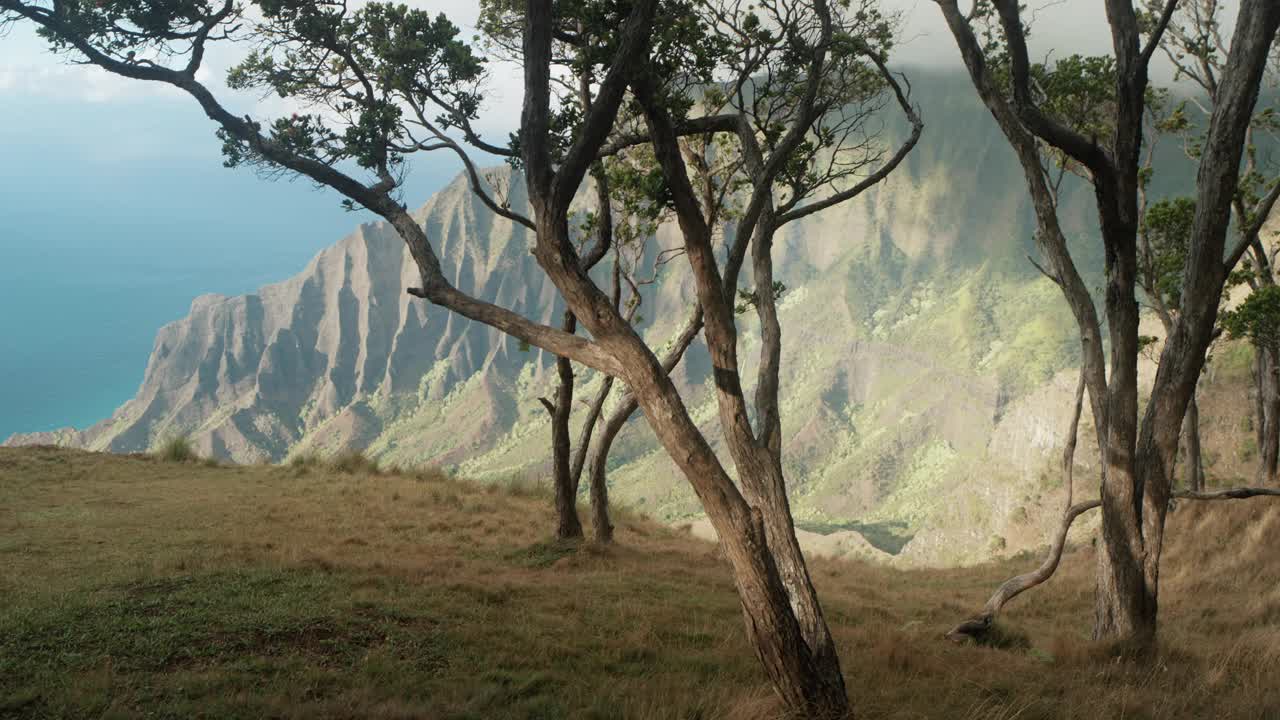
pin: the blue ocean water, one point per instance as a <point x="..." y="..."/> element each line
<point x="113" y="217"/>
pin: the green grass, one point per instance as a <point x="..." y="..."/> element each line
<point x="298" y="633"/>
<point x="136" y="588"/>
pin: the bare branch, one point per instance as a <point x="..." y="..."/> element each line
<point x="1249" y="234"/>
<point x="917" y="127"/>
<point x="1157" y="33"/>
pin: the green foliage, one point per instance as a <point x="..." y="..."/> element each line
<point x="365" y="67"/>
<point x="125" y="29"/>
<point x="1080" y="88"/>
<point x="750" y="299"/>
<point x="1256" y="319"/>
<point x="1166" y="232"/>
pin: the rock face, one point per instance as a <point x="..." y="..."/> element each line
<point x="927" y="368"/>
<point x="250" y="377"/>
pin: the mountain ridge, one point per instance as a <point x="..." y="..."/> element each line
<point x="927" y="369"/>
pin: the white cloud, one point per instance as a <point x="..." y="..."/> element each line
<point x="26" y="66"/>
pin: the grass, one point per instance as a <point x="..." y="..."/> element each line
<point x="132" y="588"/>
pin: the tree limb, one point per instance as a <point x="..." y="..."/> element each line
<point x="1250" y="234"/>
<point x="917" y="127"/>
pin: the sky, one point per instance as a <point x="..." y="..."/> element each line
<point x="115" y="211"/>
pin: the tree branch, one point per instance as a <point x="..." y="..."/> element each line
<point x="1157" y="33"/>
<point x="1082" y="149"/>
<point x="917" y="127"/>
<point x="1250" y="234"/>
<point x="604" y="109"/>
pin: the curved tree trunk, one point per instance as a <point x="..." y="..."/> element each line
<point x="613" y="424"/>
<point x="1073" y="436"/>
<point x="598" y="473"/>
<point x="809" y="683"/>
<point x="785" y="623"/>
<point x="979" y="626"/>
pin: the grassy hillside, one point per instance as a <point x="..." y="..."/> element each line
<point x="132" y="587"/>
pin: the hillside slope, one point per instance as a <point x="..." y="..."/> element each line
<point x="927" y="368"/>
<point x="137" y="588"/>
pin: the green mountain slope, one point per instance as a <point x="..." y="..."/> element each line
<point x="927" y="367"/>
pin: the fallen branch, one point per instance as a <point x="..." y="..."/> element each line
<point x="1231" y="494"/>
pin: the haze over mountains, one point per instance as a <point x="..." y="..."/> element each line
<point x="927" y="368"/>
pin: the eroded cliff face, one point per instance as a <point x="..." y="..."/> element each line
<point x="248" y="378"/>
<point x="927" y="369"/>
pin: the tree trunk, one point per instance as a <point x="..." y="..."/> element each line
<point x="598" y="472"/>
<point x="613" y="424"/>
<point x="1195" y="459"/>
<point x="568" y="525"/>
<point x="807" y="678"/>
<point x="1268" y="380"/>
<point x="1073" y="436"/>
<point x="1259" y="401"/>
<point x="979" y="626"/>
<point x="1124" y="605"/>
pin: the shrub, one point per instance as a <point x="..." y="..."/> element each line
<point x="304" y="460"/>
<point x="353" y="462"/>
<point x="177" y="449"/>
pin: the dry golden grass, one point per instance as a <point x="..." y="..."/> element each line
<point x="131" y="587"/>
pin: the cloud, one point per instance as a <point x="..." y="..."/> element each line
<point x="67" y="82"/>
<point x="1060" y="27"/>
<point x="27" y="67"/>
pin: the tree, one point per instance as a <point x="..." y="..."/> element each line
<point x="1137" y="457"/>
<point x="384" y="82"/>
<point x="629" y="207"/>
<point x="1195" y="46"/>
<point x="1257" y="320"/>
<point x="626" y="213"/>
<point x="1164" y="237"/>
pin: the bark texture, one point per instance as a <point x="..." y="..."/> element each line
<point x="612" y="423"/>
